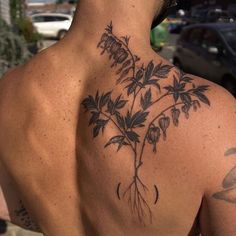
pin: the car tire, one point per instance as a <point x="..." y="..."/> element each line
<point x="229" y="83"/>
<point x="178" y="64"/>
<point x="61" y="34"/>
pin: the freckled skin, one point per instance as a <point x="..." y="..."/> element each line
<point x="71" y="180"/>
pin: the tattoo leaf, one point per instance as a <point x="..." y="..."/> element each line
<point x="117" y="139"/>
<point x="133" y="137"/>
<point x="120" y="139"/>
<point x="186" y="79"/>
<point x="104" y="99"/>
<point x="177" y="89"/>
<point x="139" y="75"/>
<point x="162" y="71"/>
<point x="110" y="107"/>
<point x="126" y="40"/>
<point x="100" y="125"/>
<point x="119" y="104"/>
<point x="202" y="97"/>
<point x="124" y="74"/>
<point x="136" y="120"/>
<point x="149" y="72"/>
<point x="97" y="97"/>
<point x="146" y="100"/>
<point x="230" y="179"/>
<point x="155" y="83"/>
<point x="186" y="98"/>
<point x="94" y="118"/>
<point x="109" y="28"/>
<point x="89" y="103"/>
<point x="96" y="131"/>
<point x="132" y="87"/>
<point x="121" y="121"/>
<point x="228" y="195"/>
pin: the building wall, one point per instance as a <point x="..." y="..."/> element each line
<point x="64" y="8"/>
<point x="5" y="10"/>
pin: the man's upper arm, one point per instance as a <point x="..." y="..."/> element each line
<point x="218" y="212"/>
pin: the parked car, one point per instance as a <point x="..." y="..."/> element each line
<point x="52" y="24"/>
<point x="211" y="16"/>
<point x="176" y="23"/>
<point x="219" y="15"/>
<point x="209" y="51"/>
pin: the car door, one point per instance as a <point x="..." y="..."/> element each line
<point x="39" y="24"/>
<point x="192" y="51"/>
<point x="44" y="24"/>
<point x="61" y="23"/>
<point x="212" y="55"/>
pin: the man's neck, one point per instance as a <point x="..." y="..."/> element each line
<point x="132" y="18"/>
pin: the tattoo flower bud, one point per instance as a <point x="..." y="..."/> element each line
<point x="115" y="47"/>
<point x="196" y="105"/>
<point x="164" y="124"/>
<point x="153" y="137"/>
<point x="109" y="42"/>
<point x="185" y="110"/>
<point x="175" y="116"/>
<point x="121" y="56"/>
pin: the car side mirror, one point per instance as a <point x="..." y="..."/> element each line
<point x="213" y="50"/>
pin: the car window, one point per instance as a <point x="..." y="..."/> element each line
<point x="195" y="36"/>
<point x="230" y="38"/>
<point x="184" y="36"/>
<point x="49" y="18"/>
<point x="38" y="19"/>
<point x="60" y="18"/>
<point x="211" y="39"/>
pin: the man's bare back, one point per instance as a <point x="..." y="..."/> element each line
<point x="104" y="137"/>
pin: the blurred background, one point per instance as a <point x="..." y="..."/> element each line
<point x="199" y="37"/>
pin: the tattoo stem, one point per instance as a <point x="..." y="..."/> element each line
<point x="159" y="99"/>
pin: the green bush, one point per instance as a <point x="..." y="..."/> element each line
<point x="13" y="48"/>
<point x="26" y="28"/>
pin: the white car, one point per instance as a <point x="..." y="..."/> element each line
<point x="52" y="24"/>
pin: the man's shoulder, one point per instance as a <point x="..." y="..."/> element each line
<point x="195" y="113"/>
<point x="212" y="123"/>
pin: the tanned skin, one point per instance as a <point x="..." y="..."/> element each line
<point x="101" y="136"/>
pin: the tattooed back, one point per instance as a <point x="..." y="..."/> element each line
<point x="120" y="144"/>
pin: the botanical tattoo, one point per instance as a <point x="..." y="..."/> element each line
<point x="141" y="83"/>
<point x="229" y="183"/>
<point x="25" y="219"/>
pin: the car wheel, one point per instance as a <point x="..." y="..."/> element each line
<point x="62" y="34"/>
<point x="229" y="83"/>
<point x="178" y="64"/>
